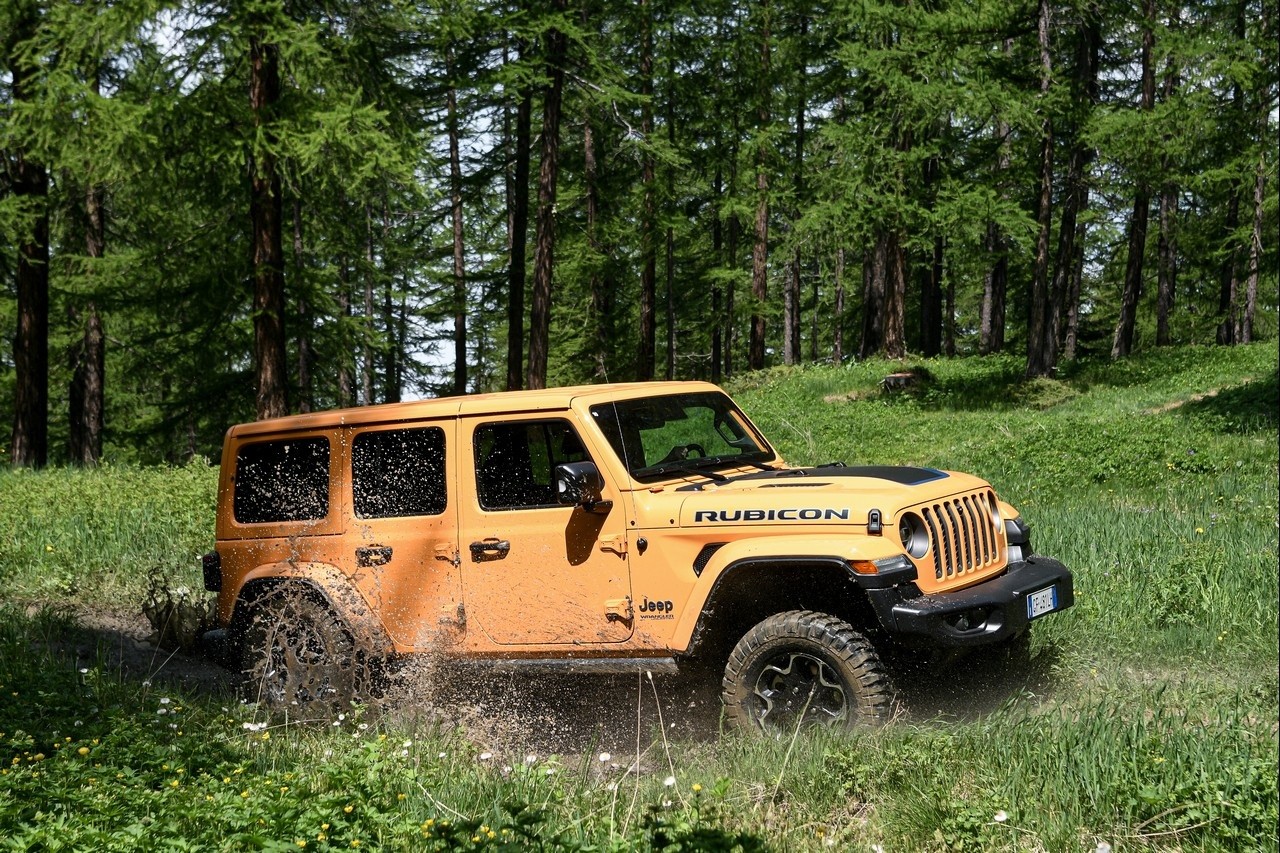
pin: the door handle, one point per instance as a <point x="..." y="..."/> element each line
<point x="374" y="555"/>
<point x="490" y="549"/>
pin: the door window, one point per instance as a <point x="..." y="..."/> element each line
<point x="516" y="462"/>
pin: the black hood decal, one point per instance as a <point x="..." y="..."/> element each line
<point x="904" y="475"/>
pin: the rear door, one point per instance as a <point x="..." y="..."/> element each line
<point x="535" y="572"/>
<point x="402" y="544"/>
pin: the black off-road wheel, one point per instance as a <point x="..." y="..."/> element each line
<point x="299" y="658"/>
<point x="802" y="668"/>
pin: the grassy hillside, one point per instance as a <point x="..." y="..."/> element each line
<point x="1147" y="720"/>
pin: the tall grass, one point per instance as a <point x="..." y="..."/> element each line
<point x="97" y="536"/>
<point x="1147" y="721"/>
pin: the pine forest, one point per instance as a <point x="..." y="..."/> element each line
<point x="219" y="210"/>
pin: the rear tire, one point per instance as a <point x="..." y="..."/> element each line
<point x="299" y="657"/>
<point x="802" y="668"/>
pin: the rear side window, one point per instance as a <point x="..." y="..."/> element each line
<point x="282" y="481"/>
<point x="398" y="472"/>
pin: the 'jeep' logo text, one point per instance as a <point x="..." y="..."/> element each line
<point x="704" y="515"/>
<point x="656" y="609"/>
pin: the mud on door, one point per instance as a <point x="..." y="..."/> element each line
<point x="535" y="572"/>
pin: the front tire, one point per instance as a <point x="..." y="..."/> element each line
<point x="803" y="668"/>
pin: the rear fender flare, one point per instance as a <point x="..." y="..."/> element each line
<point x="330" y="585"/>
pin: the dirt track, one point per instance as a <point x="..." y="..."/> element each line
<point x="565" y="714"/>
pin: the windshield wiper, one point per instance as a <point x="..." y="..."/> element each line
<point x="689" y="467"/>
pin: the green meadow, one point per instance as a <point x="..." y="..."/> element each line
<point x="1146" y="720"/>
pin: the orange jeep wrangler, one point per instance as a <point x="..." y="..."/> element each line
<point x="604" y="528"/>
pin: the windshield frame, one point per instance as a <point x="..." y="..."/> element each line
<point x="631" y="451"/>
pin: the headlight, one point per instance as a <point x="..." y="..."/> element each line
<point x="1019" y="536"/>
<point x="915" y="538"/>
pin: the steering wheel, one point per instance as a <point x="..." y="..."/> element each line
<point x="681" y="452"/>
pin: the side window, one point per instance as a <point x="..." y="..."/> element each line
<point x="516" y="462"/>
<point x="282" y="481"/>
<point x="399" y="472"/>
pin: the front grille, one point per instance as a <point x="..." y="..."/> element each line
<point x="963" y="534"/>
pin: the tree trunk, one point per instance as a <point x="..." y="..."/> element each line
<point x="1167" y="261"/>
<point x="366" y="344"/>
<point x="734" y="241"/>
<point x="760" y="248"/>
<point x="88" y="363"/>
<point x="1122" y="342"/>
<point x="949" y="319"/>
<point x="791" y="298"/>
<point x="995" y="286"/>
<point x="601" y="295"/>
<point x="791" y="312"/>
<point x="930" y="276"/>
<point x="1255" y="245"/>
<point x="873" y="298"/>
<point x="306" y="394"/>
<point x="393" y="345"/>
<point x="545" y="239"/>
<point x="1228" y="296"/>
<point x="895" y="298"/>
<point x="717" y="249"/>
<point x="29" y="185"/>
<point x="1068" y="231"/>
<point x="1167" y="245"/>
<point x="646" y="355"/>
<point x="1071" y="335"/>
<point x="455" y="215"/>
<point x="759" y="272"/>
<point x="671" y="233"/>
<point x="1040" y="340"/>
<point x="346" y="391"/>
<point x="1067" y="272"/>
<point x="815" y="296"/>
<point x="837" y="335"/>
<point x="518" y="236"/>
<point x="266" y="215"/>
<point x="995" y="282"/>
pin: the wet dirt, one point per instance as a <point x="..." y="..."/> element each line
<point x="121" y="642"/>
<point x="553" y="713"/>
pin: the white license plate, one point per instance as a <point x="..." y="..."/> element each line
<point x="1042" y="601"/>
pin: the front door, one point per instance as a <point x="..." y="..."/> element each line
<point x="535" y="572"/>
<point x="402" y="539"/>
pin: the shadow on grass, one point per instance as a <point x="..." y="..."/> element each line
<point x="117" y="644"/>
<point x="973" y="686"/>
<point x="1248" y="408"/>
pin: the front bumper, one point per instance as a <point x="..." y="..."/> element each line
<point x="989" y="612"/>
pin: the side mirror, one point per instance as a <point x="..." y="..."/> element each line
<point x="580" y="484"/>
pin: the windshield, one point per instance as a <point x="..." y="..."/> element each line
<point x="691" y="433"/>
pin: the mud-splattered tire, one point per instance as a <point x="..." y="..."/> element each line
<point x="802" y="668"/>
<point x="299" y="657"/>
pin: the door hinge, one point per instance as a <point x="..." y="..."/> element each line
<point x="616" y="542"/>
<point x="447" y="552"/>
<point x="619" y="610"/>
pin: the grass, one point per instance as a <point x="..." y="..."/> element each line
<point x="1148" y="721"/>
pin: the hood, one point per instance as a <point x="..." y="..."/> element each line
<point x="834" y="494"/>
